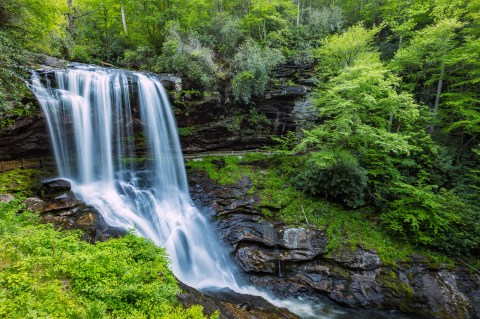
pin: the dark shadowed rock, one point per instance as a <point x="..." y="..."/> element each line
<point x="54" y="188"/>
<point x="26" y="138"/>
<point x="232" y="305"/>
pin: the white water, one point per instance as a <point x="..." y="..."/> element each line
<point x="91" y="124"/>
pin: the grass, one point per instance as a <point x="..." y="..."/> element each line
<point x="271" y="175"/>
<point x="47" y="273"/>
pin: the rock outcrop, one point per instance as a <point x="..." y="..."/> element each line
<point x="232" y="305"/>
<point x="292" y="261"/>
<point x="58" y="205"/>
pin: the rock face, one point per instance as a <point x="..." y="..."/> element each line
<point x="26" y="138"/>
<point x="291" y="261"/>
<point x="218" y="123"/>
<point x="232" y="305"/>
<point x="207" y="122"/>
<point x="58" y="205"/>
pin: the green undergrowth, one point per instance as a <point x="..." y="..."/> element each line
<point x="23" y="181"/>
<point x="47" y="273"/>
<point x="271" y="182"/>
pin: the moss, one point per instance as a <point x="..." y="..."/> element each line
<point x="224" y="170"/>
<point x="271" y="183"/>
<point x="187" y="131"/>
<point x="24" y="181"/>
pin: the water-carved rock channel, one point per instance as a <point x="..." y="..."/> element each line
<point x="93" y="127"/>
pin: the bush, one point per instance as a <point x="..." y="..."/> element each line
<point x="189" y="57"/>
<point x="421" y="214"/>
<point x="46" y="273"/>
<point x="336" y="175"/>
<point x="12" y="88"/>
<point x="253" y="63"/>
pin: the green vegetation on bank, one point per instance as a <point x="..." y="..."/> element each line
<point x="275" y="182"/>
<point x="47" y="273"/>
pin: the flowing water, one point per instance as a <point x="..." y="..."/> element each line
<point x="94" y="137"/>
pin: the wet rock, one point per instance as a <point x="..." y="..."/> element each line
<point x="35" y="204"/>
<point x="232" y="305"/>
<point x="60" y="206"/>
<point x="6" y="198"/>
<point x="254" y="258"/>
<point x="358" y="258"/>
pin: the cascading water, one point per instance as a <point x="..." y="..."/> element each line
<point x="91" y="123"/>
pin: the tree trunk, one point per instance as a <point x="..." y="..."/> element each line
<point x="439" y="91"/>
<point x="124" y="20"/>
<point x="71" y="20"/>
<point x="437" y="96"/>
<point x="298" y="13"/>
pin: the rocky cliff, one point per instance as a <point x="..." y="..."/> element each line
<point x="292" y="261"/>
<point x="206" y="120"/>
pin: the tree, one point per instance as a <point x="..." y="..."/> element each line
<point x="253" y="64"/>
<point x="342" y="50"/>
<point x="355" y="106"/>
<point x="36" y="25"/>
<point x="422" y="62"/>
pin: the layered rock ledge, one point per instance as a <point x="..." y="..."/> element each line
<point x="292" y="261"/>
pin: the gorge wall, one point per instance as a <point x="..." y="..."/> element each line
<point x="206" y="121"/>
<point x="292" y="261"/>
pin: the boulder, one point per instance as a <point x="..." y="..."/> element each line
<point x="35" y="204"/>
<point x="61" y="207"/>
<point x="232" y="305"/>
<point x="6" y="198"/>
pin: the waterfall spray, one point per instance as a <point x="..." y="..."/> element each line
<point x="90" y="119"/>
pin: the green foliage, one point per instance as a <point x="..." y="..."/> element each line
<point x="49" y="273"/>
<point x="335" y="174"/>
<point x="342" y="50"/>
<point x="420" y="214"/>
<point x="12" y="88"/>
<point x="21" y="181"/>
<point x="272" y="183"/>
<point x="36" y="25"/>
<point x="253" y="64"/>
<point x="188" y="57"/>
<point x="358" y="104"/>
<point x="224" y="170"/>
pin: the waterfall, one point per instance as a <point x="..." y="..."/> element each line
<point x="92" y="126"/>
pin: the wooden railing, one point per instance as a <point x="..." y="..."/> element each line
<point x="50" y="162"/>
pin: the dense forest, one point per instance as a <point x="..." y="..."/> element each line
<point x="396" y="133"/>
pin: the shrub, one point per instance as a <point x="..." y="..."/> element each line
<point x="334" y="174"/>
<point x="421" y="214"/>
<point x="189" y="57"/>
<point x="253" y="64"/>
